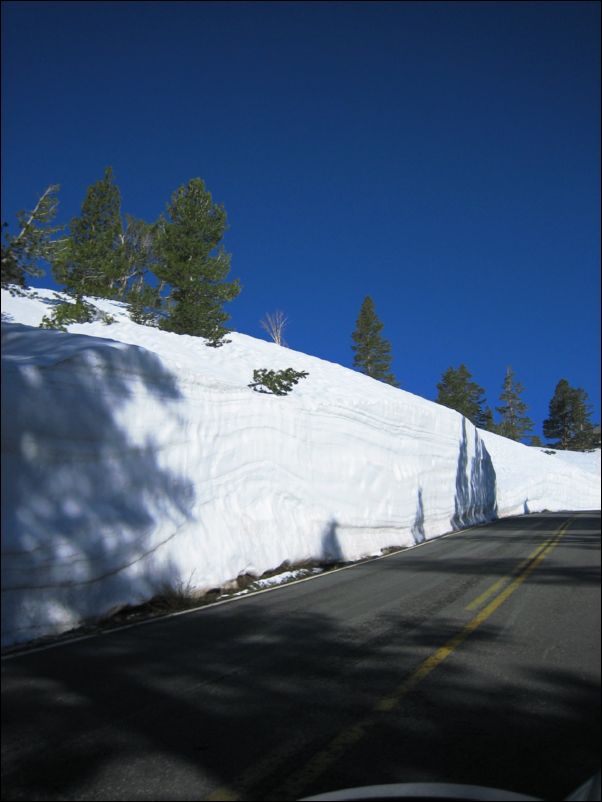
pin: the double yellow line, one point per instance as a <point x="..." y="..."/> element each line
<point x="523" y="569"/>
<point x="322" y="760"/>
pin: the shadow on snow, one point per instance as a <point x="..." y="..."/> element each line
<point x="85" y="497"/>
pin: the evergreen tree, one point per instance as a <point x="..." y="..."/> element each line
<point x="277" y="382"/>
<point x="485" y="420"/>
<point x="585" y="437"/>
<point x="535" y="441"/>
<point x="22" y="252"/>
<point x="513" y="424"/>
<point x="570" y="419"/>
<point x="92" y="259"/>
<point x="372" y="352"/>
<point x="457" y="391"/>
<point x="193" y="263"/>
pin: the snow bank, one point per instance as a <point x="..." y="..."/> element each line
<point x="132" y="458"/>
<point x="585" y="460"/>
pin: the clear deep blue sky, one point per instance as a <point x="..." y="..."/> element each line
<point x="441" y="157"/>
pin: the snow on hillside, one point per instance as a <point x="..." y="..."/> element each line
<point x="586" y="461"/>
<point x="133" y="457"/>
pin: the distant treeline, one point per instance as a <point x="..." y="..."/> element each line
<point x="173" y="274"/>
<point x="569" y="425"/>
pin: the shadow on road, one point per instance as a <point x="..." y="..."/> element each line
<point x="172" y="709"/>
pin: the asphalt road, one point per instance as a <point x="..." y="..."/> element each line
<point x="474" y="658"/>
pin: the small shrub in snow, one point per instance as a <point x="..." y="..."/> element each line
<point x="274" y="323"/>
<point x="79" y="312"/>
<point x="144" y="317"/>
<point x="278" y="382"/>
<point x="144" y="305"/>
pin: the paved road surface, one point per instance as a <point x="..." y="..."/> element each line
<point x="474" y="658"/>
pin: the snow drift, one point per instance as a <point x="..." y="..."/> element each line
<point x="132" y="458"/>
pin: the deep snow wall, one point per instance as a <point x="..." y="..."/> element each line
<point x="122" y="472"/>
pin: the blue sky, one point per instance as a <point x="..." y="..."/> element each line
<point x="441" y="157"/>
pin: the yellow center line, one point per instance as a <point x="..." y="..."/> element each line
<point x="325" y="758"/>
<point x="498" y="584"/>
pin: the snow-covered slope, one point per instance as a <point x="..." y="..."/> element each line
<point x="132" y="458"/>
<point x="586" y="461"/>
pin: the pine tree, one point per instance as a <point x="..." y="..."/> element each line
<point x="372" y="352"/>
<point x="513" y="424"/>
<point x="485" y="420"/>
<point x="34" y="242"/>
<point x="570" y="419"/>
<point x="92" y="259"/>
<point x="584" y="438"/>
<point x="193" y="263"/>
<point x="457" y="391"/>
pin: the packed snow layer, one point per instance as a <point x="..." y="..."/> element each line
<point x="134" y="458"/>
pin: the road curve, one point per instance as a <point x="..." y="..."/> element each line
<point x="474" y="658"/>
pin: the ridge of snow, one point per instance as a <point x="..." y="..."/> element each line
<point x="134" y="458"/>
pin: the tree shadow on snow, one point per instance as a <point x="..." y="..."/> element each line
<point x="331" y="551"/>
<point x="418" y="526"/>
<point x="83" y="493"/>
<point x="476" y="494"/>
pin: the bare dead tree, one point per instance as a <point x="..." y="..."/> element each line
<point x="274" y="323"/>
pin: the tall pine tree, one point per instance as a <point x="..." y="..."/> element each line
<point x="513" y="424"/>
<point x="372" y="351"/>
<point x="569" y="421"/>
<point x="192" y="261"/>
<point x="91" y="262"/>
<point x="457" y="391"/>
